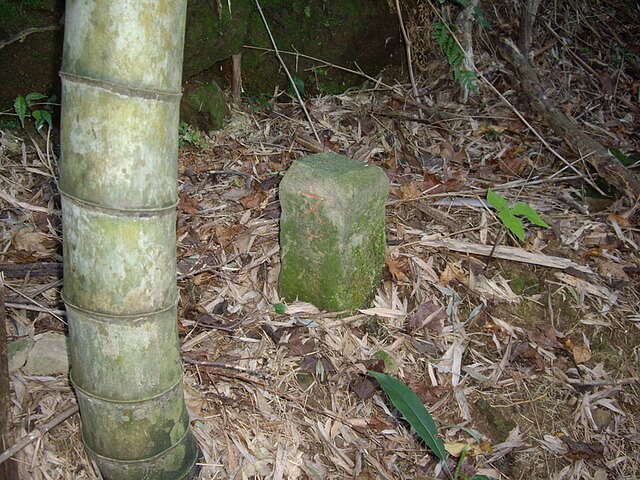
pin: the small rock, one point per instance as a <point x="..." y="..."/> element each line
<point x="205" y="107"/>
<point x="49" y="355"/>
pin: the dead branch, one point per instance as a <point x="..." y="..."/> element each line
<point x="20" y="36"/>
<point x="527" y="21"/>
<point x="504" y="252"/>
<point x="607" y="166"/>
<point x="286" y="70"/>
<point x="35" y="269"/>
<point x="236" y="81"/>
<point x="8" y="470"/>
<point x="465" y="23"/>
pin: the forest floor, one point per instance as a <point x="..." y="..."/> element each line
<point x="526" y="353"/>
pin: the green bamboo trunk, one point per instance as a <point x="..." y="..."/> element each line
<point x="121" y="83"/>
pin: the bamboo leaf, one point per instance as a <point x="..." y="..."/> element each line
<point x="20" y="106"/>
<point x="34" y="97"/>
<point x="497" y="201"/>
<point x="524" y="210"/>
<point x="624" y="159"/>
<point x="41" y="117"/>
<point x="513" y="223"/>
<point x="413" y="410"/>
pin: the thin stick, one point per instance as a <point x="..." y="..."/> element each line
<point x="34" y="308"/>
<point x="20" y="36"/>
<point x="293" y="84"/>
<point x="37" y="433"/>
<point x="324" y="63"/>
<point x="44" y="308"/>
<point x="407" y="47"/>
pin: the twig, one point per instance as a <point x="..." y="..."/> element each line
<point x="324" y="63"/>
<point x="34" y="308"/>
<point x="24" y="205"/>
<point x="44" y="309"/>
<point x="309" y="143"/>
<point x="407" y="47"/>
<point x="19" y="37"/>
<point x="578" y="382"/>
<point x="284" y="66"/>
<point x="21" y="270"/>
<point x="209" y="364"/>
<point x="37" y="433"/>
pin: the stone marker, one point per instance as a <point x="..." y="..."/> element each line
<point x="332" y="231"/>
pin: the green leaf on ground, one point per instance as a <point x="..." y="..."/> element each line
<point x="524" y="210"/>
<point x="513" y="223"/>
<point x="413" y="410"/>
<point x="509" y="216"/>
<point x="497" y="201"/>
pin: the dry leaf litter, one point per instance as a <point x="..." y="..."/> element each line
<point x="526" y="354"/>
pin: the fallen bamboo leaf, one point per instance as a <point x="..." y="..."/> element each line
<point x="413" y="410"/>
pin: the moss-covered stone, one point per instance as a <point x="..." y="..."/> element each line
<point x="205" y="107"/>
<point x="332" y="231"/>
<point x="214" y="32"/>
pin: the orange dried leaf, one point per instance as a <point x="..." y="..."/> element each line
<point x="581" y="353"/>
<point x="397" y="268"/>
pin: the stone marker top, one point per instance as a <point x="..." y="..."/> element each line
<point x="335" y="164"/>
<point x="342" y="182"/>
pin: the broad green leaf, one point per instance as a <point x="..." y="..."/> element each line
<point x="513" y="223"/>
<point x="46" y="116"/>
<point x="524" y="210"/>
<point x="20" y="106"/>
<point x="33" y="97"/>
<point x="41" y="117"/>
<point x="279" y="308"/>
<point x="497" y="201"/>
<point x="413" y="410"/>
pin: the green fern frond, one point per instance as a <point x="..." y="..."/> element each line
<point x="467" y="79"/>
<point x="443" y="35"/>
